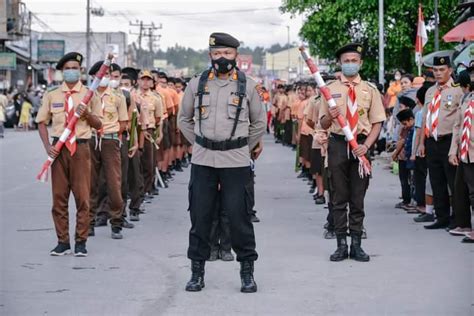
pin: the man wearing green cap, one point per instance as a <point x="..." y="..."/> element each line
<point x="222" y="116"/>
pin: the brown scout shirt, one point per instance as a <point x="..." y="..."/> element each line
<point x="154" y="108"/>
<point x="450" y="100"/>
<point x="369" y="104"/>
<point x="114" y="108"/>
<point x="52" y="109"/>
<point x="457" y="130"/>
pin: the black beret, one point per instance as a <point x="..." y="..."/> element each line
<point x="115" y="67"/>
<point x="95" y="68"/>
<point x="350" y="48"/>
<point x="405" y="115"/>
<point x="131" y="72"/>
<point x="409" y="102"/>
<point x="464" y="79"/>
<point x="69" y="56"/>
<point x="441" y="61"/>
<point x="220" y="40"/>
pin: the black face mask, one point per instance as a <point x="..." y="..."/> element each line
<point x="223" y="65"/>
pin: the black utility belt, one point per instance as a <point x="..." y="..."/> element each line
<point x="222" y="145"/>
<point x="360" y="137"/>
<point x="441" y="137"/>
<point x="78" y="140"/>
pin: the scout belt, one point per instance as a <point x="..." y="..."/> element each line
<point x="78" y="140"/>
<point x="222" y="145"/>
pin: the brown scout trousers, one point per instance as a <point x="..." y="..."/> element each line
<point x="148" y="164"/>
<point x="107" y="157"/>
<point x="71" y="174"/>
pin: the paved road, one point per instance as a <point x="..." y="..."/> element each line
<point x="412" y="271"/>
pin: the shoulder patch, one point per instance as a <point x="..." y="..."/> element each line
<point x="53" y="88"/>
<point x="455" y="85"/>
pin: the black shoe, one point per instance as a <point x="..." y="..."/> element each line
<point x="225" y="255"/>
<point x="329" y="234"/>
<point x="214" y="255"/>
<point x="341" y="252"/>
<point x="61" y="249"/>
<point x="196" y="283"/>
<point x="100" y="221"/>
<point x="246" y="277"/>
<point x="313" y="188"/>
<point x="438" y="225"/>
<point x="424" y="218"/>
<point x="184" y="163"/>
<point x="302" y="175"/>
<point x="91" y="231"/>
<point x="320" y="199"/>
<point x="80" y="249"/>
<point x="155" y="191"/>
<point x="141" y="211"/>
<point x="357" y="253"/>
<point x="116" y="233"/>
<point x="467" y="240"/>
<point x="178" y="167"/>
<point x="134" y="216"/>
<point x="326" y="226"/>
<point x="126" y="224"/>
<point x="254" y="218"/>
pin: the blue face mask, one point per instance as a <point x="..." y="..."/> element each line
<point x="71" y="75"/>
<point x="350" y="69"/>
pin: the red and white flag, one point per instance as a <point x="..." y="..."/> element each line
<point x="421" y="37"/>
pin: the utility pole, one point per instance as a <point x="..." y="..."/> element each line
<point x="436" y="36"/>
<point x="33" y="79"/>
<point x="288" y="29"/>
<point x="146" y="30"/>
<point x="381" y="44"/>
<point x="88" y="40"/>
<point x="140" y="33"/>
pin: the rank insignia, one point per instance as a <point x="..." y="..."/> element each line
<point x="361" y="112"/>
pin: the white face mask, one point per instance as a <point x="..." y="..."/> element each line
<point x="398" y="77"/>
<point x="114" y="84"/>
<point x="104" y="82"/>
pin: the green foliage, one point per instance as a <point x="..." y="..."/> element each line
<point x="331" y="24"/>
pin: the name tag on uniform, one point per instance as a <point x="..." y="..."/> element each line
<point x="57" y="105"/>
<point x="337" y="95"/>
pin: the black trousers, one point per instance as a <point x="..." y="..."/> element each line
<point x="348" y="188"/>
<point x="330" y="217"/>
<point x="236" y="202"/>
<point x="220" y="229"/>
<point x="288" y="126"/>
<point x="464" y="194"/>
<point x="442" y="175"/>
<point x="404" y="175"/>
<point x="420" y="180"/>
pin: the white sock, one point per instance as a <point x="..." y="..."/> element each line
<point x="429" y="209"/>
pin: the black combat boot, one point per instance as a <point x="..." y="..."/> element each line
<point x="341" y="252"/>
<point x="246" y="276"/>
<point x="196" y="283"/>
<point x="357" y="253"/>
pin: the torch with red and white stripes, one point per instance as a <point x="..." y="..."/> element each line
<point x="43" y="175"/>
<point x="364" y="162"/>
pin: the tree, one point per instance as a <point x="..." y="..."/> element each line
<point x="332" y="23"/>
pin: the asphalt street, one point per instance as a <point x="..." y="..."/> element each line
<point x="412" y="271"/>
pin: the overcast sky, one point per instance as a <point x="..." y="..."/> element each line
<point x="188" y="23"/>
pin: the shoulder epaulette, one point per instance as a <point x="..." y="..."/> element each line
<point x="370" y="84"/>
<point x="53" y="88"/>
<point x="330" y="82"/>
<point x="455" y="85"/>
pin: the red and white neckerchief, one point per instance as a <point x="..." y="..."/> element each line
<point x="466" y="130"/>
<point x="432" y="114"/>
<point x="352" y="114"/>
<point x="70" y="143"/>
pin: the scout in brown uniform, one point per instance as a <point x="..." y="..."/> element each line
<point x="317" y="163"/>
<point x="461" y="154"/>
<point x="69" y="172"/>
<point x="436" y="140"/>
<point x="279" y="103"/>
<point x="153" y="106"/>
<point x="105" y="151"/>
<point x="348" y="187"/>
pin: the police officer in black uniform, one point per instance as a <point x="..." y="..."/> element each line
<point x="222" y="116"/>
